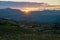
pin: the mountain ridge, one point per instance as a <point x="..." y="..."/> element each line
<point x="35" y="16"/>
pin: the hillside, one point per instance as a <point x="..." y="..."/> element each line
<point x="46" y="16"/>
<point x="13" y="30"/>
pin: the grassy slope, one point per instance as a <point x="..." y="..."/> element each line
<point x="11" y="31"/>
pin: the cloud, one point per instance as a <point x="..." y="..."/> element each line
<point x="45" y="1"/>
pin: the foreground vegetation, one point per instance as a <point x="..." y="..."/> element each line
<point x="12" y="30"/>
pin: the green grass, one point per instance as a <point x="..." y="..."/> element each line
<point x="18" y="33"/>
<point x="11" y="30"/>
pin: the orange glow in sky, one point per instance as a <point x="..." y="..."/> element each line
<point x="27" y="9"/>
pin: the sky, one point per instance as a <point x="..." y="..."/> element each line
<point x="40" y="1"/>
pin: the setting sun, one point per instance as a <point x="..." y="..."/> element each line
<point x="26" y="11"/>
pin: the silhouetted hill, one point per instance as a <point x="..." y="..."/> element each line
<point x="11" y="14"/>
<point x="46" y="16"/>
<point x="51" y="16"/>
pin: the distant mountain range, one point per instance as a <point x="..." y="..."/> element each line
<point x="52" y="16"/>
